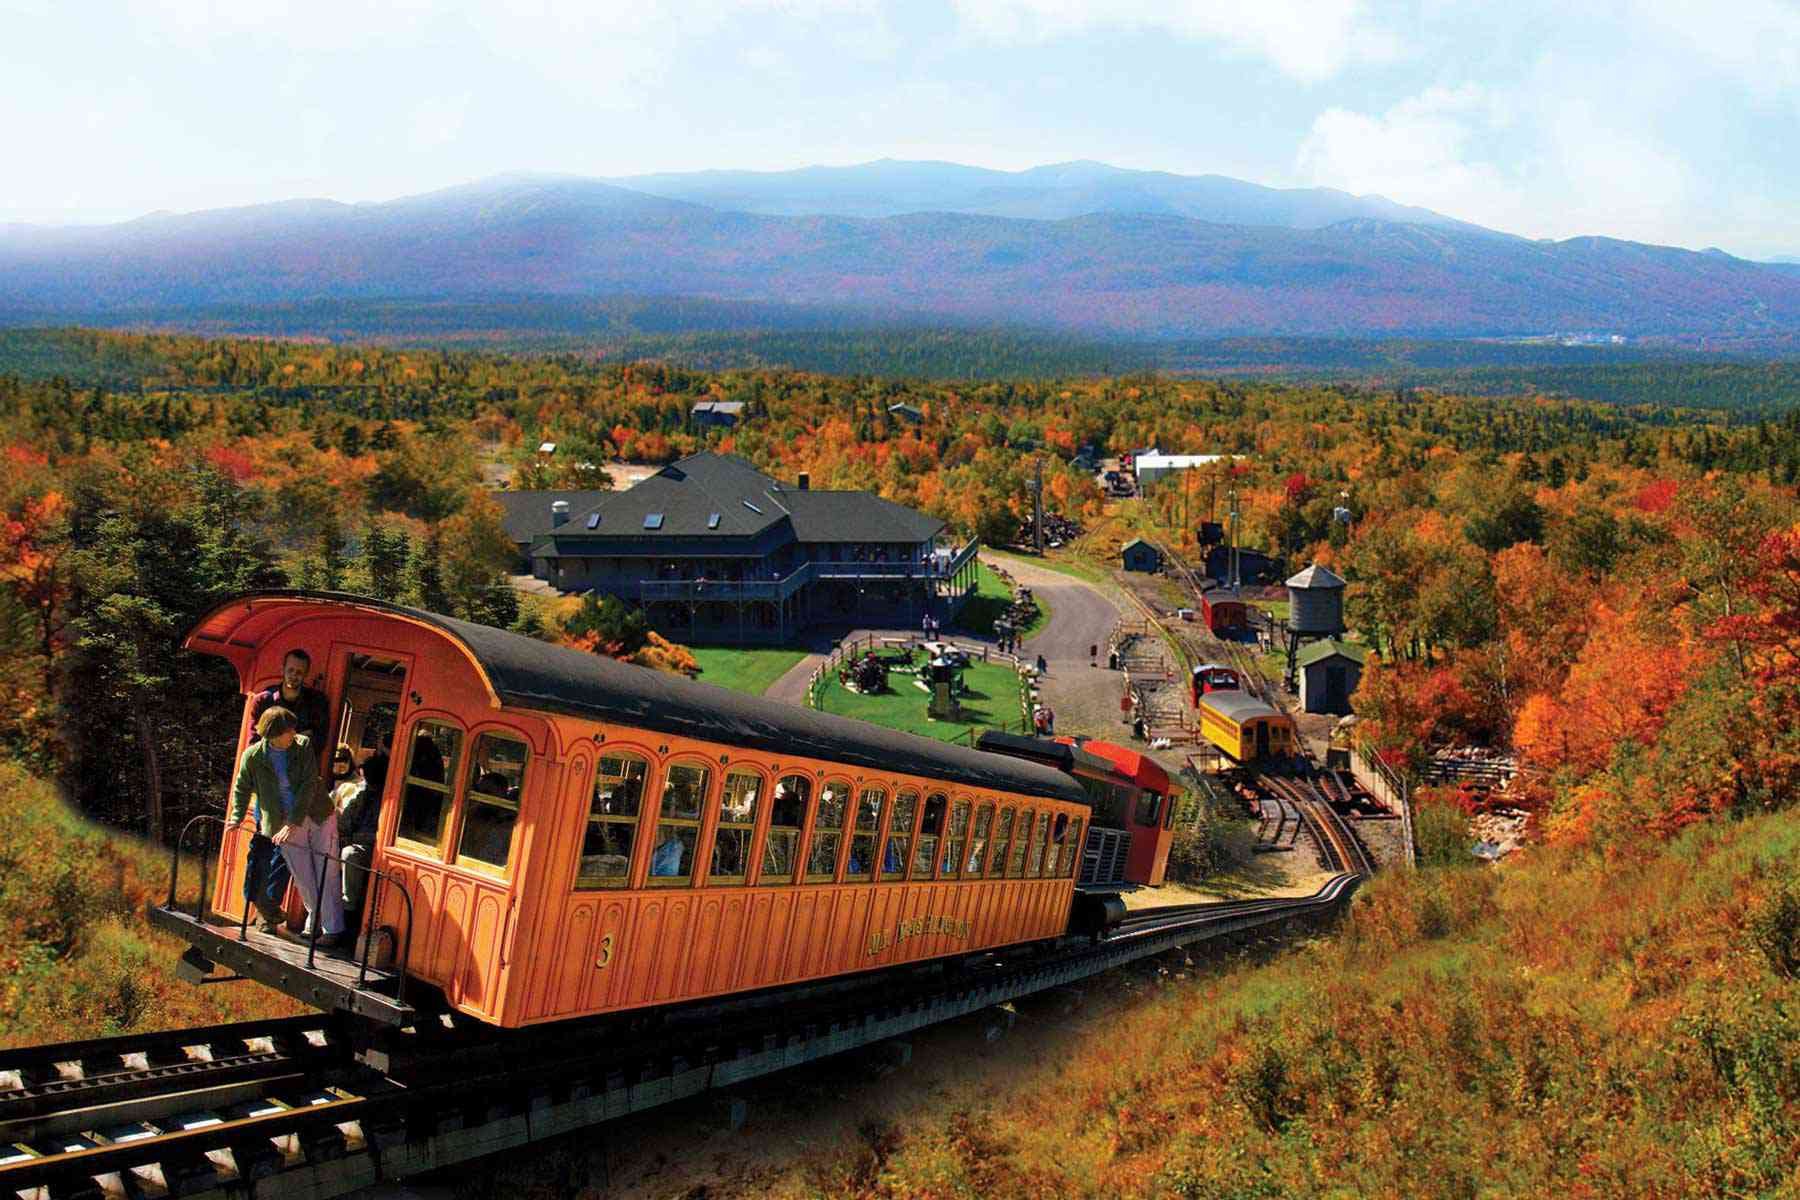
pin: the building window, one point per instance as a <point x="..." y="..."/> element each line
<point x="828" y="831"/>
<point x="653" y="520"/>
<point x="737" y="823"/>
<point x="787" y="817"/>
<point x="678" y="823"/>
<point x="491" y="805"/>
<point x="612" y="821"/>
<point x="436" y="752"/>
<point x="900" y="835"/>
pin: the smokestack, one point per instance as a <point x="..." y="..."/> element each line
<point x="559" y="514"/>
<point x="805" y="481"/>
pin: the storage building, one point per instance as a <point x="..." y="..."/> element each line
<point x="1328" y="673"/>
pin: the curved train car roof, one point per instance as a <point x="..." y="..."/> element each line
<point x="522" y="672"/>
<point x="1238" y="706"/>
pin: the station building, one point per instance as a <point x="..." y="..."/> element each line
<point x="713" y="550"/>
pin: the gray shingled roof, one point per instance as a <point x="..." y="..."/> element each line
<point x="527" y="514"/>
<point x="687" y="493"/>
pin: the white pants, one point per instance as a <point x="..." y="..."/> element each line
<point x="312" y="857"/>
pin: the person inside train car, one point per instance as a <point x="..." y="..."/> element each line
<point x="306" y="704"/>
<point x="358" y="818"/>
<point x="278" y="779"/>
<point x="666" y="859"/>
<point x="345" y="775"/>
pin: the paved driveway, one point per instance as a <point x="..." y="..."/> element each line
<point x="1085" y="698"/>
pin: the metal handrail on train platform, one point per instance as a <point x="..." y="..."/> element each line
<point x="371" y="906"/>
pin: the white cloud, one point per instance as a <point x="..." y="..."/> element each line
<point x="1309" y="40"/>
<point x="1420" y="151"/>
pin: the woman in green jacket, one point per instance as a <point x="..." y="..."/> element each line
<point x="296" y="826"/>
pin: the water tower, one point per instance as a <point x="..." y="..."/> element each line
<point x="1315" y="611"/>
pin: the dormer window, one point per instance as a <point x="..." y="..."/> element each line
<point x="712" y="521"/>
<point x="753" y="508"/>
<point x="593" y="521"/>
<point x="653" y="520"/>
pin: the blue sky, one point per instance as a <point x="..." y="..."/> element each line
<point x="1667" y="122"/>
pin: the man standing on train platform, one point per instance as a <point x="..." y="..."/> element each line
<point x="306" y="703"/>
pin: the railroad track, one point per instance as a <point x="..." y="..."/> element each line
<point x="214" y="1111"/>
<point x="1343" y="850"/>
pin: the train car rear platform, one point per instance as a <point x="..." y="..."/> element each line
<point x="329" y="982"/>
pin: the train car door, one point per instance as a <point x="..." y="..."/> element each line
<point x="369" y="706"/>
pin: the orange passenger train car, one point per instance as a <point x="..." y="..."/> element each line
<point x="577" y="836"/>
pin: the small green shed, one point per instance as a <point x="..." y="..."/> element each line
<point x="1329" y="672"/>
<point x="1139" y="555"/>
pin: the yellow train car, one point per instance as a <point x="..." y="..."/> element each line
<point x="1246" y="729"/>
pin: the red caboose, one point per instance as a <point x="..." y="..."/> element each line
<point x="1224" y="611"/>
<point x="1214" y="677"/>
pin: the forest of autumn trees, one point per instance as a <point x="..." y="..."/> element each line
<point x="1604" y="588"/>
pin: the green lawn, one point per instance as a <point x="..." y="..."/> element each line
<point x="989" y="603"/>
<point x="991" y="701"/>
<point x="744" y="669"/>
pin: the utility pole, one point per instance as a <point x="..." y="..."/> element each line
<point x="1037" y="506"/>
<point x="1232" y="495"/>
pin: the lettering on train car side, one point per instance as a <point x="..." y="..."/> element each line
<point x="915" y="927"/>
<point x="606" y="953"/>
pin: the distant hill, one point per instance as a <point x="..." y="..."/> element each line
<point x="1111" y="274"/>
<point x="891" y="188"/>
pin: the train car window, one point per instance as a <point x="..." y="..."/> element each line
<point x="1002" y="842"/>
<point x="1072" y="848"/>
<point x="1015" y="862"/>
<point x="1035" y="864"/>
<point x="491" y="805"/>
<point x="1146" y="808"/>
<point x="1059" y="834"/>
<point x="828" y="831"/>
<point x="787" y="816"/>
<point x="959" y="834"/>
<point x="861" y="864"/>
<point x="678" y="824"/>
<point x="978" y="841"/>
<point x="430" y="769"/>
<point x="1169" y="813"/>
<point x="612" y="821"/>
<point x="931" y="828"/>
<point x="737" y="823"/>
<point x="900" y="835"/>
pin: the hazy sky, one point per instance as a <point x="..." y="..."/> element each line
<point x="1658" y="120"/>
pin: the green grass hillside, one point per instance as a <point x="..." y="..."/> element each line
<point x="76" y="956"/>
<point x="1551" y="1028"/>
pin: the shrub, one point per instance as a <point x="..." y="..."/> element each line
<point x="1775" y="930"/>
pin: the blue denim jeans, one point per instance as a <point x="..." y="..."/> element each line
<point x="265" y="874"/>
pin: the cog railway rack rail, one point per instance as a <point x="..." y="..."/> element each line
<point x="215" y="1111"/>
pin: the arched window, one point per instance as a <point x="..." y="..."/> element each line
<point x="862" y="843"/>
<point x="737" y="824"/>
<point x="1002" y="842"/>
<point x="678" y="823"/>
<point x="828" y="831"/>
<point x="612" y="821"/>
<point x="491" y="804"/>
<point x="1072" y="849"/>
<point x="1059" y="833"/>
<point x="900" y="835"/>
<point x="931" y="828"/>
<point x="957" y="837"/>
<point x="430" y="783"/>
<point x="1015" y="861"/>
<point x="787" y="817"/>
<point x="978" y="841"/>
<point x="1035" y="863"/>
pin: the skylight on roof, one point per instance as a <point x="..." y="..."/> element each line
<point x="593" y="520"/>
<point x="653" y="520"/>
<point x="753" y="508"/>
<point x="712" y="522"/>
